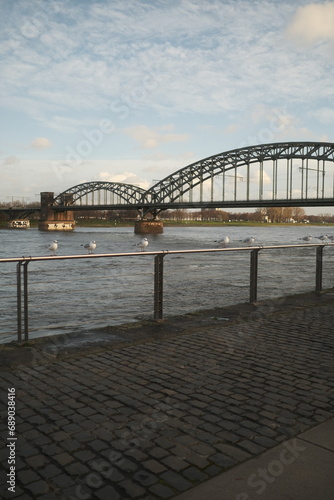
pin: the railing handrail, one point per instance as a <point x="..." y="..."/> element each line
<point x="160" y="252"/>
<point x="23" y="262"/>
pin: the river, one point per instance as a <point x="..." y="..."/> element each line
<point x="66" y="296"/>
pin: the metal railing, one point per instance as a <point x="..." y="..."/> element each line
<point x="22" y="275"/>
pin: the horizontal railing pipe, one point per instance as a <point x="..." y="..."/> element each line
<point x="161" y="252"/>
<point x="22" y="264"/>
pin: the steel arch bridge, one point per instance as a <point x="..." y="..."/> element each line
<point x="277" y="174"/>
<point x="101" y="193"/>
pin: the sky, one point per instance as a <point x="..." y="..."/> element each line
<point x="133" y="90"/>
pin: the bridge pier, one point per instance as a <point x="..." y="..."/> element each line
<point x="145" y="226"/>
<point x="52" y="220"/>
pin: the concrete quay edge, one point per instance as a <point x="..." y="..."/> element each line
<point x="298" y="469"/>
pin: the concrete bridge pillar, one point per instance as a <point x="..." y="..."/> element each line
<point x="145" y="225"/>
<point x="52" y="220"/>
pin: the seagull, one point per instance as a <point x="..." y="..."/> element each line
<point x="225" y="241"/>
<point x="250" y="240"/>
<point x="90" y="246"/>
<point x="53" y="247"/>
<point x="307" y="238"/>
<point x="142" y="244"/>
<point x="323" y="237"/>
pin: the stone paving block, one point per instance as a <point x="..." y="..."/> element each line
<point x="107" y="493"/>
<point x="253" y="448"/>
<point x="63" y="458"/>
<point x="27" y="476"/>
<point x="63" y="481"/>
<point x="174" y="462"/>
<point x="37" y="461"/>
<point x="68" y="445"/>
<point x="76" y="469"/>
<point x="234" y="452"/>
<point x="84" y="455"/>
<point x="154" y="466"/>
<point x="28" y="451"/>
<point x="246" y="433"/>
<point x="161" y="491"/>
<point x="175" y="480"/>
<point x="206" y="437"/>
<point x="132" y="489"/>
<point x="49" y="471"/>
<point x="265" y="441"/>
<point x="31" y="434"/>
<point x="194" y="475"/>
<point x="164" y="443"/>
<point x="59" y="436"/>
<point x="202" y="449"/>
<point x="145" y="478"/>
<point x="136" y="454"/>
<point x="222" y="460"/>
<point x="38" y="488"/>
<point x="127" y="466"/>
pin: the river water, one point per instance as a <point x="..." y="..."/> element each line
<point x="71" y="296"/>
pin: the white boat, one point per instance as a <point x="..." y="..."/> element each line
<point x="18" y="224"/>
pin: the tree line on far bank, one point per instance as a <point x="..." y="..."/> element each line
<point x="269" y="214"/>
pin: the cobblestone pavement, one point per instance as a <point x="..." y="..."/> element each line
<point x="152" y="419"/>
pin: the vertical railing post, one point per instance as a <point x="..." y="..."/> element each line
<point x="318" y="269"/>
<point x="253" y="275"/>
<point x="25" y="299"/>
<point x="19" y="302"/>
<point x="158" y="287"/>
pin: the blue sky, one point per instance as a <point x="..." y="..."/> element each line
<point x="132" y="90"/>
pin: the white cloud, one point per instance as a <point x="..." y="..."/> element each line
<point x="313" y="22"/>
<point x="152" y="138"/>
<point x="41" y="143"/>
<point x="124" y="178"/>
<point x="189" y="56"/>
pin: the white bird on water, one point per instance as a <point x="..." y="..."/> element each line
<point x="53" y="247"/>
<point x="250" y="240"/>
<point x="90" y="246"/>
<point x="143" y="244"/>
<point x="323" y="237"/>
<point x="307" y="238"/>
<point x="225" y="241"/>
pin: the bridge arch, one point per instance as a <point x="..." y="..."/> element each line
<point x="289" y="172"/>
<point x="98" y="192"/>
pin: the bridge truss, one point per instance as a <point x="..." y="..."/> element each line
<point x="277" y="174"/>
<point x="281" y="173"/>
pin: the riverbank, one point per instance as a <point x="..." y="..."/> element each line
<point x="183" y="223"/>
